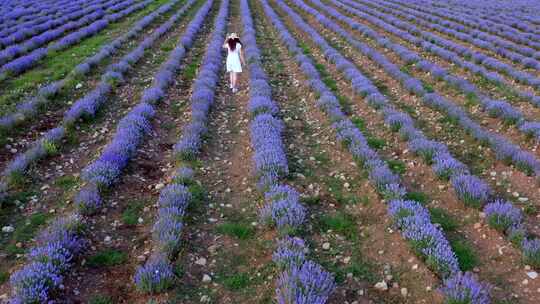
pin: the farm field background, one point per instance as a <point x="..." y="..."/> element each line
<point x="378" y="151"/>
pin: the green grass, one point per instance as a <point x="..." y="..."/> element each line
<point x="238" y="230"/>
<point x="4" y="276"/>
<point x="130" y="215"/>
<point x="108" y="257"/>
<point x="376" y="143"/>
<point x="467" y="257"/>
<point x="420" y="197"/>
<point x="443" y="218"/>
<point x="397" y="166"/>
<point x="100" y="299"/>
<point x="341" y="223"/>
<point x="66" y="182"/>
<point x="359" y="267"/>
<point x="311" y="200"/>
<point x="237" y="281"/>
<point x="27" y="230"/>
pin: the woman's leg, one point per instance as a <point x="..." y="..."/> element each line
<point x="234" y="80"/>
<point x="231" y="79"/>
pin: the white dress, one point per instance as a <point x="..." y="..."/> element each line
<point x="233" y="59"/>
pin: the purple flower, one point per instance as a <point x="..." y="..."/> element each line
<point x="34" y="282"/>
<point x="382" y="176"/>
<point x="471" y="190"/>
<point x="497" y="108"/>
<point x="446" y="166"/>
<point x="532" y="129"/>
<point x="531" y="252"/>
<point x="464" y="288"/>
<point x="502" y="215"/>
<point x="101" y="173"/>
<point x="259" y="87"/>
<point x="184" y="175"/>
<point x="152" y="95"/>
<point x="283" y="208"/>
<point x="291" y="252"/>
<point x="427" y="148"/>
<point x="88" y="200"/>
<point x="308" y="283"/>
<point x="155" y="276"/>
<point x="53" y="253"/>
<point x="262" y="104"/>
<point x="396" y="120"/>
<point x="174" y="195"/>
<point x="394" y="191"/>
<point x="167" y="231"/>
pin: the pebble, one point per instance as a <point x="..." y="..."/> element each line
<point x="532" y="274"/>
<point x="140" y="220"/>
<point x="141" y="258"/>
<point x="404" y="292"/>
<point x="346" y="260"/>
<point x="381" y="286"/>
<point x="525" y="282"/>
<point x="477" y="225"/>
<point x="206" y="278"/>
<point x="78" y="86"/>
<point x="205" y="299"/>
<point x="8" y="229"/>
<point x="326" y="246"/>
<point x="108" y="239"/>
<point x="523" y="199"/>
<point x="201" y="261"/>
<point x="160" y="186"/>
<point x="415" y="266"/>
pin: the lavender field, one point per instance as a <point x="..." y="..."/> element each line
<point x="377" y="151"/>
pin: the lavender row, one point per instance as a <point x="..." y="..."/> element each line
<point x="504" y="149"/>
<point x="202" y="98"/>
<point x="425" y="41"/>
<point x="84" y="108"/>
<point x="479" y="26"/>
<point x="174" y="198"/>
<point x="29" y="108"/>
<point x="514" y="16"/>
<point x="474" y="57"/>
<point x="522" y="54"/>
<point x="55" y="251"/>
<point x="300" y="280"/>
<point x="510" y="22"/>
<point x="39" y="282"/>
<point x="44" y="23"/>
<point x="130" y="132"/>
<point x="97" y="13"/>
<point x="513" y="28"/>
<point x="26" y="62"/>
<point x="495" y="108"/>
<point x="469" y="189"/>
<point x="410" y="216"/>
<point x="19" y="15"/>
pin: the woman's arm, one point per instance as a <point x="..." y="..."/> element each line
<point x="225" y="43"/>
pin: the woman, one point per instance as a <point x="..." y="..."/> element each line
<point x="235" y="58"/>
